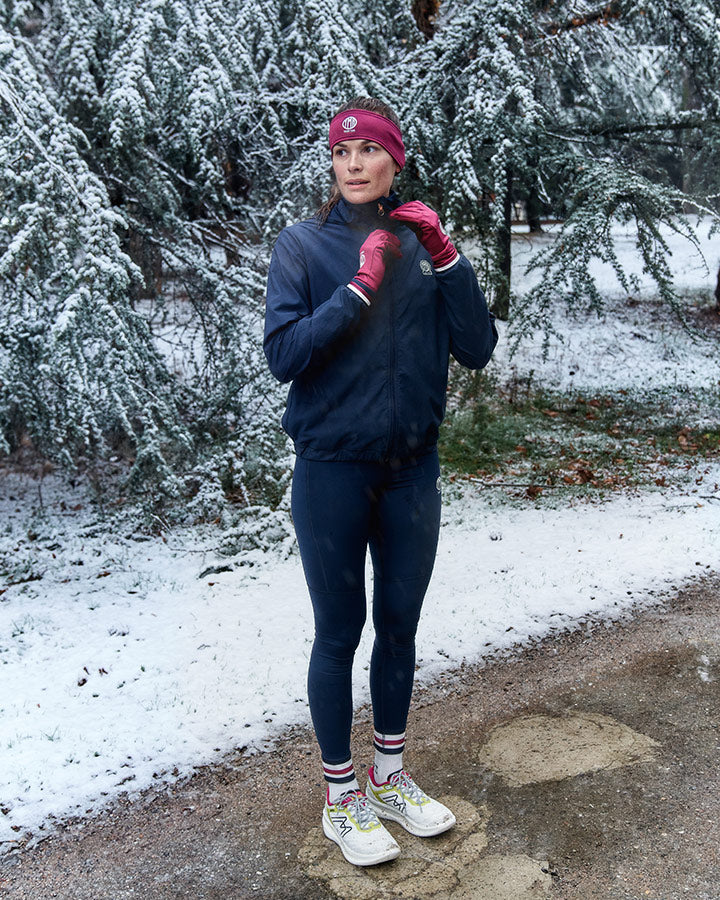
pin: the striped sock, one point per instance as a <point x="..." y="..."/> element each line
<point x="388" y="755"/>
<point x="340" y="778"/>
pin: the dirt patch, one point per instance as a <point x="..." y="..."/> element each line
<point x="509" y="878"/>
<point x="451" y="866"/>
<point x="532" y="749"/>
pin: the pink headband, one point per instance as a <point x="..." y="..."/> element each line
<point x="359" y="124"/>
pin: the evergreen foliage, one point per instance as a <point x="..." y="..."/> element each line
<point x="151" y="151"/>
<point x="547" y="96"/>
<point x="78" y="367"/>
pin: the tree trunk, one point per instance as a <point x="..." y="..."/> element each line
<point x="533" y="211"/>
<point x="425" y="12"/>
<point x="501" y="304"/>
<point x="689" y="101"/>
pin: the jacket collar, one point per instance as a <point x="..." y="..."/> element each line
<point x="373" y="213"/>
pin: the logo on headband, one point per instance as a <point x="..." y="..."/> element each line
<point x="349" y="124"/>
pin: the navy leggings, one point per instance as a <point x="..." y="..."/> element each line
<point x="339" y="509"/>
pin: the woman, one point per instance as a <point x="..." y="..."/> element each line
<point x="365" y="303"/>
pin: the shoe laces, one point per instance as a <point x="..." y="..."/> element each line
<point x="402" y="780"/>
<point x="359" y="807"/>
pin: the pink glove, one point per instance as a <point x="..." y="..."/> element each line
<point x="378" y="248"/>
<point x="426" y="225"/>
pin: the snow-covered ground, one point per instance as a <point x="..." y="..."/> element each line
<point x="124" y="662"/>
<point x="638" y="346"/>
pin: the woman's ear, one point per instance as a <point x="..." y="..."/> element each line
<point x="397" y="170"/>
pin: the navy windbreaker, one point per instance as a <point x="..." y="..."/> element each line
<point x="367" y="382"/>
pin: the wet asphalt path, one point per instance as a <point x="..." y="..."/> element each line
<point x="584" y="767"/>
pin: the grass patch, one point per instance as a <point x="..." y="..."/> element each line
<point x="535" y="438"/>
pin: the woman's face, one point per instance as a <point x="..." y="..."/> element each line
<point x="364" y="170"/>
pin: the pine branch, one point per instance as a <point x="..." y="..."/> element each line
<point x="690" y="123"/>
<point x="602" y="16"/>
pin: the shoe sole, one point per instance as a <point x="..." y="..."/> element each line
<point x="383" y="812"/>
<point x="391" y="853"/>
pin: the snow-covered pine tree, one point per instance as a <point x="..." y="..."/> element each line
<point x="685" y="37"/>
<point x="78" y="371"/>
<point x="629" y="129"/>
<point x="164" y="108"/>
<point x="540" y="104"/>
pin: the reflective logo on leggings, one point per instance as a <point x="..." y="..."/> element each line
<point x="438" y="484"/>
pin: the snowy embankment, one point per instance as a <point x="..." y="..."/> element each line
<point x="121" y="666"/>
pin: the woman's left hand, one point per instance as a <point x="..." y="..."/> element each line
<point x="425" y="222"/>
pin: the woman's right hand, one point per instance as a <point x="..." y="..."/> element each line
<point x="428" y="229"/>
<point x="378" y="249"/>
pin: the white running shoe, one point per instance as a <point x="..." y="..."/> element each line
<point x="401" y="800"/>
<point x="355" y="828"/>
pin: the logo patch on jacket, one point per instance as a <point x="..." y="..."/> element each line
<point x="362" y="258"/>
<point x="425" y="267"/>
<point x="349" y="124"/>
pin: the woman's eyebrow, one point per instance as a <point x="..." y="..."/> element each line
<point x="363" y="141"/>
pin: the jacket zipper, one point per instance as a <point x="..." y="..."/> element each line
<point x="392" y="373"/>
<point x="392" y="449"/>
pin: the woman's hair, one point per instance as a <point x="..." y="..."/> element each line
<point x="369" y="104"/>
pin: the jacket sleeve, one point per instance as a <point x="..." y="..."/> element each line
<point x="472" y="326"/>
<point x="296" y="335"/>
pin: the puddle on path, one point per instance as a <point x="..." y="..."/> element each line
<point x="533" y="749"/>
<point x="448" y="867"/>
